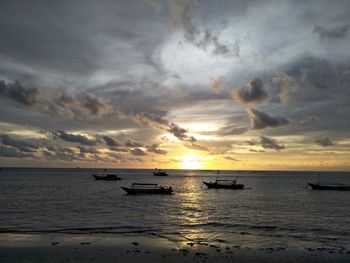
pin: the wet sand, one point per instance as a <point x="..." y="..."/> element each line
<point x="111" y="248"/>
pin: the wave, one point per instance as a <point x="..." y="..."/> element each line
<point x="84" y="230"/>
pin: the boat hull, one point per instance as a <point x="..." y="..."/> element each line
<point x="160" y="174"/>
<point x="330" y="187"/>
<point x="103" y="178"/>
<point x="223" y="186"/>
<point x="135" y="191"/>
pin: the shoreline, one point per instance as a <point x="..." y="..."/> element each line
<point x="148" y="248"/>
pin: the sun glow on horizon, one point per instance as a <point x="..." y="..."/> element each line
<point x="191" y="162"/>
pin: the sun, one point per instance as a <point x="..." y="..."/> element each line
<point x="191" y="162"/>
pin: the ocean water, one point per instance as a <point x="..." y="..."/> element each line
<point x="275" y="209"/>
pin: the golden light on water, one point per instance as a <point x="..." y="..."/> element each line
<point x="191" y="162"/>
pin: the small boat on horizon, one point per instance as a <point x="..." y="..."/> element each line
<point x="143" y="188"/>
<point x="328" y="185"/>
<point x="107" y="177"/>
<point x="158" y="172"/>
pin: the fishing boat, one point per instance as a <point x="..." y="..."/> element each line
<point x="158" y="172"/>
<point x="223" y="183"/>
<point x="332" y="186"/>
<point x="107" y="177"/>
<point x="323" y="185"/>
<point x="142" y="188"/>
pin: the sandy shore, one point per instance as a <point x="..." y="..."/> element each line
<point x="112" y="248"/>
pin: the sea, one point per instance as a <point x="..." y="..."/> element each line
<point x="274" y="209"/>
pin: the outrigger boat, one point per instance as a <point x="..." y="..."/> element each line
<point x="223" y="184"/>
<point x="158" y="172"/>
<point x="142" y="188"/>
<point x="328" y="186"/>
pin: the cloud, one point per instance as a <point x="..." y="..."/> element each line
<point x="154" y="148"/>
<point x="21" y="145"/>
<point x="150" y="119"/>
<point x="256" y="151"/>
<point x="287" y="88"/>
<point x="261" y="120"/>
<point x="180" y="12"/>
<point x="131" y="143"/>
<point x="84" y="149"/>
<point x="217" y="84"/>
<point x="110" y="141"/>
<point x="324" y="142"/>
<point x="267" y="143"/>
<point x="137" y="152"/>
<point x="231" y="158"/>
<point x="319" y="73"/>
<point x="196" y="146"/>
<point x="180" y="133"/>
<point x="334" y="33"/>
<point x="57" y="103"/>
<point x="55" y="153"/>
<point x="69" y="137"/>
<point x="118" y="149"/>
<point x="231" y="130"/>
<point x="19" y="93"/>
<point x="252" y="93"/>
<point x="11" y="152"/>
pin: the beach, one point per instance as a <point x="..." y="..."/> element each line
<point x="109" y="248"/>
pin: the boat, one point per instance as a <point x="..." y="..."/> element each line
<point x="328" y="185"/>
<point x="158" y="172"/>
<point x="142" y="188"/>
<point x="107" y="177"/>
<point x="332" y="186"/>
<point x="224" y="184"/>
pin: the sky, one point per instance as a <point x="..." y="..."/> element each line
<point x="175" y="84"/>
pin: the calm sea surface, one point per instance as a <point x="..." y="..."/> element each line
<point x="274" y="209"/>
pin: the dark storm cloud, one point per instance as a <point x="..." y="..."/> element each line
<point x="252" y="93"/>
<point x="180" y="133"/>
<point x="319" y="73"/>
<point x="21" y="145"/>
<point x="63" y="40"/>
<point x="154" y="148"/>
<point x="110" y="141"/>
<point x="137" y="152"/>
<point x="337" y="32"/>
<point x="15" y="91"/>
<point x="261" y="120"/>
<point x="267" y="143"/>
<point x="11" y="152"/>
<point x="57" y="103"/>
<point x="78" y="138"/>
<point x="324" y="142"/>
